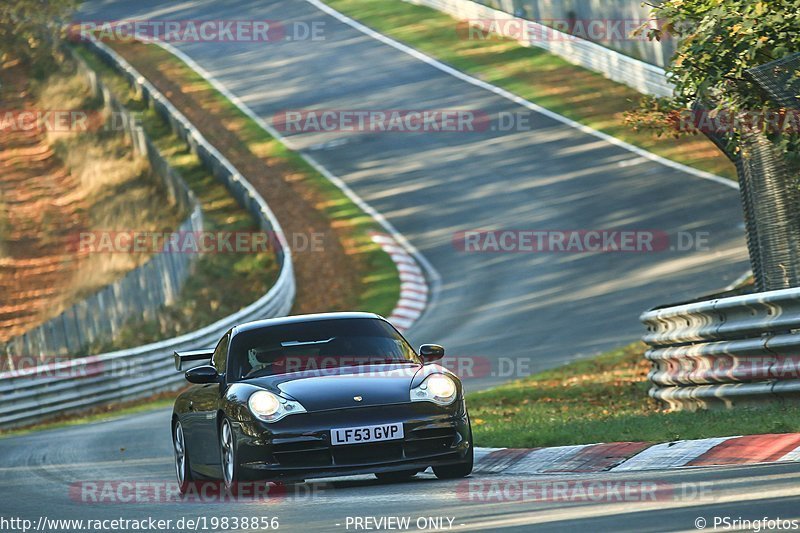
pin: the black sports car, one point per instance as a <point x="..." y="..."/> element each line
<point x="317" y="396"/>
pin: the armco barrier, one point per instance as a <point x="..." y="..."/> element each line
<point x="35" y="393"/>
<point x="143" y="290"/>
<point x="725" y="351"/>
<point x="644" y="77"/>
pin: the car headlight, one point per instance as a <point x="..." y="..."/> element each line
<point x="436" y="388"/>
<point x="270" y="407"/>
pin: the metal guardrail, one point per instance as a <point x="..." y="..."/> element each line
<point x="143" y="290"/>
<point x="33" y="394"/>
<point x="725" y="351"/>
<point x="643" y="77"/>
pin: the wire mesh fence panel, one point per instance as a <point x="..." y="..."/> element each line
<point x="772" y="177"/>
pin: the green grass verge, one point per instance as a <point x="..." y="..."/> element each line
<point x="533" y="74"/>
<point x="604" y="399"/>
<point x="221" y="283"/>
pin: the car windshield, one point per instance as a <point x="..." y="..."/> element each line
<point x="321" y="344"/>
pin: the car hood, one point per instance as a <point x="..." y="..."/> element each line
<point x="337" y="388"/>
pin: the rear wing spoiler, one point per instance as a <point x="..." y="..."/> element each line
<point x="195" y="355"/>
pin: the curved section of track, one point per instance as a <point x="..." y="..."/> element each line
<point x="94" y="472"/>
<point x="542" y="308"/>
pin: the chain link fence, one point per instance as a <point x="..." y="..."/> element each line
<point x="768" y="178"/>
<point x="773" y="177"/>
<point x="743" y="349"/>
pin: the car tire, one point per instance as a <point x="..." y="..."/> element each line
<point x="228" y="459"/>
<point x="182" y="469"/>
<point x="395" y="477"/>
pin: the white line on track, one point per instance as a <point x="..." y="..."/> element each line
<point x="518" y="99"/>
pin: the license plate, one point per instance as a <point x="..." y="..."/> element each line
<point x="363" y="434"/>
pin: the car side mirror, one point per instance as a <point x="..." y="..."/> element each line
<point x="202" y="374"/>
<point x="431" y="352"/>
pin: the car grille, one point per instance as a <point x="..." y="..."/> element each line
<point x="418" y="443"/>
<point x="303" y="453"/>
<point x="430" y="441"/>
<point x="374" y="452"/>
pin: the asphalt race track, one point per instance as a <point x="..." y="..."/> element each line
<point x="540" y="308"/>
<point x="54" y="474"/>
<point x="518" y="306"/>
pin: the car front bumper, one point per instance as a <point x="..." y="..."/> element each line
<point x="299" y="446"/>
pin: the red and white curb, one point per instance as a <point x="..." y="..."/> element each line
<point x="413" y="286"/>
<point x="636" y="456"/>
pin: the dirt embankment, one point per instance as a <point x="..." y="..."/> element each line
<point x="41" y="210"/>
<point x="59" y="179"/>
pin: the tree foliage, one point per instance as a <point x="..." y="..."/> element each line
<point x="718" y="40"/>
<point x="30" y="29"/>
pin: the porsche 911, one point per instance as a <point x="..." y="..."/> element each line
<point x="312" y="396"/>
